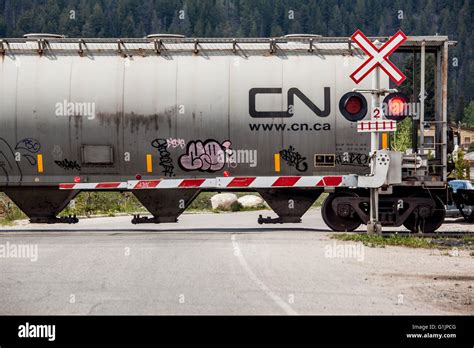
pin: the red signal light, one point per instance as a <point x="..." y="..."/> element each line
<point x="77" y="179"/>
<point x="395" y="106"/>
<point x="353" y="106"/>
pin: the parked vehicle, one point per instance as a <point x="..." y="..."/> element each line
<point x="457" y="210"/>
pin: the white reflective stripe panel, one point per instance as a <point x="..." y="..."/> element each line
<point x="92" y="186"/>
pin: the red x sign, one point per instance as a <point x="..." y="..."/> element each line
<point x="378" y="57"/>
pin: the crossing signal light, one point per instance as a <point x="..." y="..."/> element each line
<point x="395" y="106"/>
<point x="353" y="106"/>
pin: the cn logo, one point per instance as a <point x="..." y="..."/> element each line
<point x="292" y="92"/>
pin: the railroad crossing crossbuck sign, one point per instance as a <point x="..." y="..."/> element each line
<point x="378" y="57"/>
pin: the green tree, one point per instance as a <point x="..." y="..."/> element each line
<point x="411" y="86"/>
<point x="97" y="20"/>
<point x="460" y="110"/>
<point x="401" y="140"/>
<point x="3" y="27"/>
<point x="471" y="147"/>
<point x="461" y="166"/>
<point x="468" y="117"/>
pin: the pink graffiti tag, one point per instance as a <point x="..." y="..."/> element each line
<point x="174" y="143"/>
<point x="206" y="157"/>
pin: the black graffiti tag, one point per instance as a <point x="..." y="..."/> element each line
<point x="68" y="165"/>
<point x="8" y="165"/>
<point x="294" y="159"/>
<point x="166" y="162"/>
<point x="353" y="159"/>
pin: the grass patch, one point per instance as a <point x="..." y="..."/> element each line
<point x="112" y="203"/>
<point x="9" y="212"/>
<point x="202" y="202"/>
<point x="319" y="202"/>
<point x="107" y="203"/>
<point x="407" y="241"/>
<point x="382" y="241"/>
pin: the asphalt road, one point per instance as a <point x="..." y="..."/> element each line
<point x="224" y="264"/>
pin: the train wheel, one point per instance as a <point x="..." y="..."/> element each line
<point x="346" y="220"/>
<point x="421" y="221"/>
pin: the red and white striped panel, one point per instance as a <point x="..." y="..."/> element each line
<point x="376" y="126"/>
<point x="171" y="183"/>
<point x="249" y="181"/>
<point x="94" y="186"/>
<point x="222" y="182"/>
<point x="280" y="181"/>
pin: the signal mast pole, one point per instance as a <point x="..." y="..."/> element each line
<point x="374" y="225"/>
<point x="378" y="55"/>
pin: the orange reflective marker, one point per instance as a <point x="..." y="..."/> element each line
<point x="149" y="163"/>
<point x="384" y="141"/>
<point x="277" y="162"/>
<point x="39" y="162"/>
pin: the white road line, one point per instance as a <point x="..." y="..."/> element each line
<point x="282" y="304"/>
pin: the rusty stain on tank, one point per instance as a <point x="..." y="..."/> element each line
<point x="134" y="122"/>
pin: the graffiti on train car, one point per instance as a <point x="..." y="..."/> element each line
<point x="9" y="166"/>
<point x="294" y="159"/>
<point x="166" y="162"/>
<point x="68" y="165"/>
<point x="234" y="157"/>
<point x="10" y="157"/>
<point x="353" y="159"/>
<point x="29" y="146"/>
<point x="175" y="142"/>
<point x="205" y="156"/>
